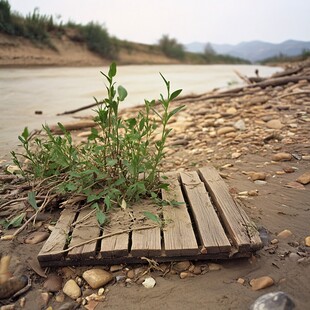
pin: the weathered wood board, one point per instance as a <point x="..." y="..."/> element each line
<point x="201" y="221"/>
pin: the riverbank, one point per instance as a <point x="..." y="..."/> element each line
<point x="257" y="136"/>
<point x="20" y="52"/>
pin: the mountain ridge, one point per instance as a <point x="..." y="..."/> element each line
<point x="255" y="50"/>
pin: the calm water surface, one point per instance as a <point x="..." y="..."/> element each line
<point x="55" y="90"/>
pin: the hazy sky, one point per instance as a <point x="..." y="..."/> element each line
<point x="217" y="21"/>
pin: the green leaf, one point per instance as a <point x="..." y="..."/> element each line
<point x="25" y="133"/>
<point x="32" y="200"/>
<point x="175" y="94"/>
<point x="101" y="217"/>
<point x="122" y="93"/>
<point x="176" y="110"/>
<point x="166" y="82"/>
<point x="17" y="220"/>
<point x="112" y="70"/>
<point x="107" y="201"/>
<point x="153" y="217"/>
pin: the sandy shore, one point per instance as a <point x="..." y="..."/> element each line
<point x="239" y="133"/>
<point x="17" y="52"/>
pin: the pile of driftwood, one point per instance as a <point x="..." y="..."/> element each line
<point x="292" y="74"/>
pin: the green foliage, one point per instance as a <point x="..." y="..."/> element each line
<point x="282" y="58"/>
<point x="118" y="164"/>
<point x="171" y="48"/>
<point x="98" y="40"/>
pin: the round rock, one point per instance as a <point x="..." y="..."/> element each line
<point x="260" y="283"/>
<point x="97" y="277"/>
<point x="71" y="289"/>
<point x="53" y="283"/>
<point x="273" y="301"/>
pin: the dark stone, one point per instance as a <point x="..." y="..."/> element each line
<point x="273" y="301"/>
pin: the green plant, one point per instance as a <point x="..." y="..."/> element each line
<point x="120" y="162"/>
<point x="171" y="48"/>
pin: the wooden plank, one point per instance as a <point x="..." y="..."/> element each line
<point x="146" y="242"/>
<point x="209" y="226"/>
<point x="86" y="228"/>
<point x="58" y="237"/>
<point x="116" y="246"/>
<point x="179" y="236"/>
<point x="236" y="221"/>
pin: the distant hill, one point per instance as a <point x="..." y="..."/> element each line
<point x="254" y="51"/>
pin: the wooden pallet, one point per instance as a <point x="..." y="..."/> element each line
<point x="206" y="224"/>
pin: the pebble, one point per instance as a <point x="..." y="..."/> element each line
<point x="284" y="234"/>
<point x="37" y="237"/>
<point x="225" y="130"/>
<point x="53" y="283"/>
<point x="241" y="281"/>
<point x="235" y="155"/>
<point x="149" y="282"/>
<point x="294" y="257"/>
<point x="258" y="176"/>
<point x="307" y="241"/>
<point x="115" y="268"/>
<point x="182" y="266"/>
<point x="273" y="301"/>
<point x="261" y="283"/>
<point x="260" y="182"/>
<point x="240" y="125"/>
<point x="274" y="241"/>
<point x="185" y="274"/>
<point x="214" y="267"/>
<point x="274" y="124"/>
<point x="97" y="277"/>
<point x="282" y="157"/>
<point x="304" y="178"/>
<point x="71" y="289"/>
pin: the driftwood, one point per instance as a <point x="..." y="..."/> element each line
<point x="74" y="126"/>
<point x="80" y="109"/>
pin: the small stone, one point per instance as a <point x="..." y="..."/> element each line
<point x="260" y="182"/>
<point x="260" y="283"/>
<point x="71" y="289"/>
<point x="115" y="268"/>
<point x="214" y="267"/>
<point x="307" y="241"/>
<point x="284" y="234"/>
<point x="97" y="277"/>
<point x="196" y="270"/>
<point x="231" y="111"/>
<point x="149" y="282"/>
<point x="288" y="169"/>
<point x="53" y="283"/>
<point x="225" y="130"/>
<point x="282" y="157"/>
<point x="258" y="176"/>
<point x="253" y="192"/>
<point x="240" y="125"/>
<point x="37" y="237"/>
<point x="182" y="266"/>
<point x="241" y="281"/>
<point x="294" y="257"/>
<point x="45" y="297"/>
<point x="101" y="291"/>
<point x="274" y="241"/>
<point x="235" y="155"/>
<point x="60" y="297"/>
<point x="131" y="274"/>
<point x="185" y="274"/>
<point x="274" y="124"/>
<point x="304" y="178"/>
<point x="274" y="300"/>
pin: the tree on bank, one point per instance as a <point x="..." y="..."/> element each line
<point x="171" y="48"/>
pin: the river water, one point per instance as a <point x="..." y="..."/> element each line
<point x="55" y="90"/>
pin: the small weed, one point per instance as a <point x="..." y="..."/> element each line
<point x="118" y="165"/>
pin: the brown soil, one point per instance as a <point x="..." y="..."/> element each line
<point x="18" y="51"/>
<point x="197" y="140"/>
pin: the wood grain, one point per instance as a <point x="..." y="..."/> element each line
<point x="208" y="224"/>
